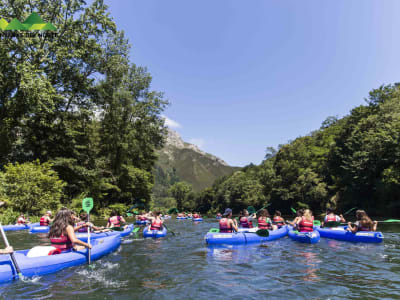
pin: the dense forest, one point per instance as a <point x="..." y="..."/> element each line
<point x="348" y="162"/>
<point x="77" y="117"/>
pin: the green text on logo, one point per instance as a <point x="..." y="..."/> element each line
<point x="33" y="22"/>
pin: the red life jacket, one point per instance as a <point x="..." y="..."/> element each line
<point x="21" y="220"/>
<point x="330" y="218"/>
<point x="142" y="218"/>
<point x="245" y="223"/>
<point x="224" y="226"/>
<point x="115" y="221"/>
<point x="156" y="225"/>
<point x="263" y="224"/>
<point x="278" y="221"/>
<point x="196" y="216"/>
<point x="306" y="225"/>
<point x="44" y="221"/>
<point x="62" y="243"/>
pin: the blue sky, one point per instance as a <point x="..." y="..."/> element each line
<point x="245" y="75"/>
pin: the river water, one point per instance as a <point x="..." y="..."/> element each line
<point x="183" y="267"/>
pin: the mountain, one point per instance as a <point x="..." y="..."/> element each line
<point x="181" y="161"/>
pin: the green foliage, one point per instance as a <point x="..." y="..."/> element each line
<point x="31" y="187"/>
<point x="179" y="191"/>
<point x="8" y="216"/>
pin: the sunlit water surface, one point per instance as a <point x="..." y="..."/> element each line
<point x="183" y="267"/>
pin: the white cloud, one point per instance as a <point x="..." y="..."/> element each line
<point x="171" y="123"/>
<point x="198" y="142"/>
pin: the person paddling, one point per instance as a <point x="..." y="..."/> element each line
<point x="62" y="233"/>
<point x="156" y="221"/>
<point x="115" y="220"/>
<point x="21" y="220"/>
<point x="264" y="220"/>
<point x="363" y="223"/>
<point x="278" y="220"/>
<point x="299" y="215"/>
<point x="331" y="218"/>
<point x="306" y="223"/>
<point x="84" y="224"/>
<point x="196" y="215"/>
<point x="227" y="224"/>
<point x="245" y="220"/>
<point x="46" y="219"/>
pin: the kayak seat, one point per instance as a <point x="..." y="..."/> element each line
<point x="42" y="251"/>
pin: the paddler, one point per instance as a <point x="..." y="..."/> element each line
<point x="331" y="218"/>
<point x="83" y="224"/>
<point x="46" y="219"/>
<point x="363" y="223"/>
<point x="21" y="220"/>
<point x="264" y="220"/>
<point x="196" y="215"/>
<point x="306" y="223"/>
<point x="115" y="220"/>
<point x="62" y="233"/>
<point x="156" y="221"/>
<point x="227" y="224"/>
<point x="245" y="220"/>
<point x="278" y="220"/>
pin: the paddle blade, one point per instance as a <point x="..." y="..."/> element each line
<point x="214" y="230"/>
<point x="263" y="232"/>
<point x="293" y="210"/>
<point x="136" y="229"/>
<point x="317" y="223"/>
<point x="391" y="221"/>
<point x="87" y="204"/>
<point x="332" y="224"/>
<point x="251" y="210"/>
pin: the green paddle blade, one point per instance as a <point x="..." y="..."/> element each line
<point x="87" y="204"/>
<point x="136" y="229"/>
<point x="214" y="230"/>
<point x="251" y="210"/>
<point x="391" y="221"/>
<point x="263" y="232"/>
<point x="317" y="223"/>
<point x="293" y="210"/>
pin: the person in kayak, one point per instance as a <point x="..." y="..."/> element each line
<point x="278" y="220"/>
<point x="306" y="223"/>
<point x="7" y="250"/>
<point x="299" y="215"/>
<point x="219" y="215"/>
<point x="227" y="224"/>
<point x="196" y="215"/>
<point x="332" y="219"/>
<point x="156" y="221"/>
<point x="21" y="220"/>
<point x="62" y="233"/>
<point x="84" y="224"/>
<point x="46" y="219"/>
<point x="115" y="220"/>
<point x="363" y="223"/>
<point x="245" y="220"/>
<point x="264" y="220"/>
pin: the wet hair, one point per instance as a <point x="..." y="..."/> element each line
<point x="243" y="213"/>
<point x="264" y="213"/>
<point x="60" y="223"/>
<point x="83" y="216"/>
<point x="113" y="213"/>
<point x="329" y="211"/>
<point x="307" y="214"/>
<point x="277" y="213"/>
<point x="365" y="221"/>
<point x="300" y="212"/>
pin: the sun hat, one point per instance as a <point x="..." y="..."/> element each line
<point x="227" y="211"/>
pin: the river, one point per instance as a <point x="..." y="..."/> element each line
<point x="183" y="267"/>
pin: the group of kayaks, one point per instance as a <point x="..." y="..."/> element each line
<point x="247" y="236"/>
<point x="42" y="260"/>
<point x="190" y="218"/>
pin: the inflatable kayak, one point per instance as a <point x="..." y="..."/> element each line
<point x="39" y="229"/>
<point x="340" y="233"/>
<point x="83" y="236"/>
<point x="14" y="227"/>
<point x="139" y="222"/>
<point x="181" y="218"/>
<point x="47" y="264"/>
<point x="237" y="238"/>
<point x="197" y="219"/>
<point x="154" y="233"/>
<point x="304" y="237"/>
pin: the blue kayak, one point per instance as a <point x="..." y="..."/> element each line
<point x="197" y="219"/>
<point x="154" y="233"/>
<point x="237" y="238"/>
<point x="340" y="233"/>
<point x="181" y="218"/>
<point x="304" y="237"/>
<point x="39" y="229"/>
<point x="47" y="264"/>
<point x="138" y="222"/>
<point x="83" y="236"/>
<point x="14" y="227"/>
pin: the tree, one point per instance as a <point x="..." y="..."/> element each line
<point x="179" y="191"/>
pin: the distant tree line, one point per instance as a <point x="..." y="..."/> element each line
<point x="349" y="162"/>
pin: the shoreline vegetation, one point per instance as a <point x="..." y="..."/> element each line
<point x="78" y="118"/>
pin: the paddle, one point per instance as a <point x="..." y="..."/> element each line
<point x="117" y="228"/>
<point x="14" y="261"/>
<point x="349" y="211"/>
<point x="293" y="210"/>
<point x="135" y="230"/>
<point x="390" y="221"/>
<point x="87" y="205"/>
<point x="173" y="233"/>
